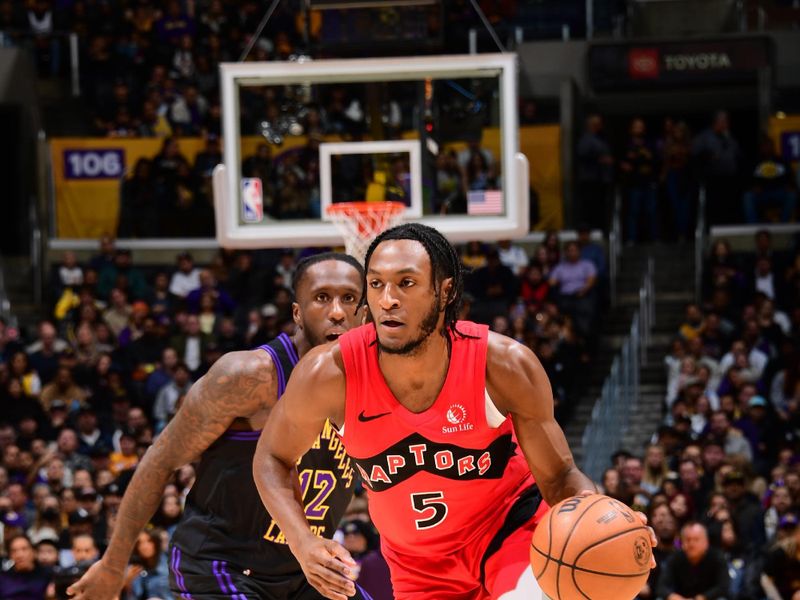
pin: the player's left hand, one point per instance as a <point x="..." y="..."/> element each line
<point x="653" y="538"/>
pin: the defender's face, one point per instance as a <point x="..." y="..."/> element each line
<point x="401" y="296"/>
<point x="326" y="301"/>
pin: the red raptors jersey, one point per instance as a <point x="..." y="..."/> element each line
<point x="439" y="478"/>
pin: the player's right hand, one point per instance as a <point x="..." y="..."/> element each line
<point x="328" y="567"/>
<point x="100" y="582"/>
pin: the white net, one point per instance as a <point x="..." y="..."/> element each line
<point x="361" y="222"/>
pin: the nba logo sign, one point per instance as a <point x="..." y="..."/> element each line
<point x="252" y="200"/>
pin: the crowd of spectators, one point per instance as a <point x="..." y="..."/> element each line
<point x="86" y="394"/>
<point x="720" y="479"/>
<point x="661" y="174"/>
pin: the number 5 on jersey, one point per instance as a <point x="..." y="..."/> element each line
<point x="424" y="503"/>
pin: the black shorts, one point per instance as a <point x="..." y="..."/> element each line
<point x="204" y="579"/>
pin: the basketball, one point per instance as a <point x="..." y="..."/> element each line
<point x="591" y="547"/>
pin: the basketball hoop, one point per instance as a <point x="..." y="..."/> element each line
<point x="361" y="222"/>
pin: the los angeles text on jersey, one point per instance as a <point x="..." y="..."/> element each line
<point x="318" y="485"/>
<point x="415" y="454"/>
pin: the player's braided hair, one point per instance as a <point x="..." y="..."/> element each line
<point x="445" y="263"/>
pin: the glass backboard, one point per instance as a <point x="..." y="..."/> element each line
<point x="437" y="133"/>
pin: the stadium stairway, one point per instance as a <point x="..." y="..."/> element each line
<point x="674" y="282"/>
<point x="18" y="280"/>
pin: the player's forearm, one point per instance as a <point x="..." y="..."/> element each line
<point x="570" y="483"/>
<point x="141" y="500"/>
<point x="279" y="488"/>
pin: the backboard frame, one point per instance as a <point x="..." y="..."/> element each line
<point x="412" y="147"/>
<point x="292" y="233"/>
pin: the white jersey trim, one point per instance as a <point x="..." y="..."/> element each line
<point x="493" y="416"/>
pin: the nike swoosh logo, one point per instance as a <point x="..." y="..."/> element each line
<point x="364" y="418"/>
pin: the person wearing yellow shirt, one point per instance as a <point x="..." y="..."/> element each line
<point x="126" y="458"/>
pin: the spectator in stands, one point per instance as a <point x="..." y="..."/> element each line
<point x="745" y="509"/>
<point x="149" y="575"/>
<point x="63" y="388"/>
<point x="223" y="303"/>
<point x="780" y="504"/>
<point x="174" y="24"/>
<point x="186" y="278"/>
<point x="106" y="256"/>
<point x="639" y="172"/>
<point x="575" y="278"/>
<point x="595" y="173"/>
<point x="191" y="343"/>
<point x="772" y="186"/>
<point x="779" y="578"/>
<point x="666" y="529"/>
<point x="717" y="161"/>
<point x="534" y="288"/>
<point x="84" y="550"/>
<point x="43" y="23"/>
<point x="373" y="572"/>
<point x="67" y="445"/>
<point x="494" y="288"/>
<point x="46" y="352"/>
<point x="139" y="214"/>
<point x="451" y="186"/>
<point x="89" y="434"/>
<point x="656" y="469"/>
<point x="592" y="251"/>
<point x="721" y="271"/>
<point x="677" y="179"/>
<point x="70" y="273"/>
<point x="117" y="315"/>
<point x="123" y="275"/>
<point x="167" y="396"/>
<point x="696" y="570"/>
<point x="473" y="255"/>
<point x="732" y="440"/>
<point x="23" y="578"/>
<point x="631" y="475"/>
<point x="126" y="458"/>
<point x="513" y="256"/>
<point x="752" y="361"/>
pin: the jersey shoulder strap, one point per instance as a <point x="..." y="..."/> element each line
<point x="284" y="357"/>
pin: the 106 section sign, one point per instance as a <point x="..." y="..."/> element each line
<point x="94" y="164"/>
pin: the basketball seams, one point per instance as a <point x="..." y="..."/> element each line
<point x="566" y="542"/>
<point x="623" y="580"/>
<point x="609" y="538"/>
<point x="591" y="571"/>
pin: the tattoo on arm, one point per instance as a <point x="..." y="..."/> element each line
<point x="238" y="385"/>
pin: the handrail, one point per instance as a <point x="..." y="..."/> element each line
<point x="615" y="245"/>
<point x="36" y="254"/>
<point x="699" y="243"/>
<point x="7" y="37"/>
<point x="620" y="392"/>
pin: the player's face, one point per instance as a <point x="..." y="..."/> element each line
<point x="401" y="296"/>
<point x="326" y="301"/>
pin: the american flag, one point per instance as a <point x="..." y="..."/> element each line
<point x="485" y="202"/>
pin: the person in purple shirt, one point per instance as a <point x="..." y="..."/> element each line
<point x="373" y="572"/>
<point x="223" y="303"/>
<point x="24" y="580"/>
<point x="574" y="279"/>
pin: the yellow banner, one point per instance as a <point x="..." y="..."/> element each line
<point x="88" y="174"/>
<point x="785" y="133"/>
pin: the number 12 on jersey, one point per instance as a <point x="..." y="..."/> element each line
<point x="431" y="506"/>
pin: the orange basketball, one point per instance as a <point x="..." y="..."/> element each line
<point x="591" y="547"/>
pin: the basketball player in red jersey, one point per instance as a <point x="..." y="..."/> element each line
<point x="448" y="425"/>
